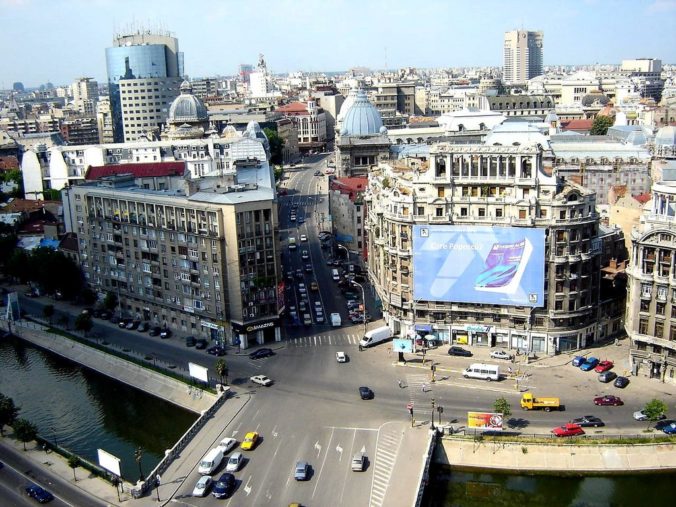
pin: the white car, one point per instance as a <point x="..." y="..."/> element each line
<point x="303" y="237"/>
<point x="202" y="487"/>
<point x="262" y="380"/>
<point x="227" y="444"/>
<point x="341" y="357"/>
<point x="639" y="415"/>
<point x="501" y="354"/>
<point x="234" y="462"/>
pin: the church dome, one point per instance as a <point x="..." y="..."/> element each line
<point x="666" y="136"/>
<point x="347" y="104"/>
<point x="186" y="108"/>
<point x="362" y="119"/>
<point x="595" y="98"/>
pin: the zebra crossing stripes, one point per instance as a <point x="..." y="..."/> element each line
<point x="325" y="340"/>
<point x="386" y="457"/>
<point x="419" y="399"/>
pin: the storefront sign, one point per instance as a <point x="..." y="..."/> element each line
<point x="249" y="328"/>
<point x="477" y="328"/>
<point x="424" y="327"/>
<point x="210" y="325"/>
<point x="188" y="309"/>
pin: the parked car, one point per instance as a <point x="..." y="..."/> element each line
<point x="358" y="462"/>
<point x="122" y="323"/>
<point x="203" y="486"/>
<point x="588" y="420"/>
<point x="603" y="366"/>
<point x="341" y="357"/>
<point x="663" y="423"/>
<point x="501" y="354"/>
<point x="261" y="380"/>
<point x="607" y="376"/>
<point x="578" y="361"/>
<point x="249" y="442"/>
<point x="133" y="324"/>
<point x="318" y="173"/>
<point x="190" y="341"/>
<point x="201" y="344"/>
<point x="589" y="364"/>
<point x="301" y="471"/>
<point x="142" y="327"/>
<point x="639" y="415"/>
<point x="568" y="430"/>
<point x="669" y="429"/>
<point x="621" y="382"/>
<point x="155" y="331"/>
<point x="365" y="393"/>
<point x="261" y="353"/>
<point x="216" y="350"/>
<point x="39" y="493"/>
<point x="225" y="486"/>
<point x="458" y="351"/>
<point x="106" y="315"/>
<point x="608" y="400"/>
<point x="165" y="333"/>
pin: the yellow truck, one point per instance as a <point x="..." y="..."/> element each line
<point x="530" y="402"/>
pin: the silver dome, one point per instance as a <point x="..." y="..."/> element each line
<point x="362" y="119"/>
<point x="187" y="108"/>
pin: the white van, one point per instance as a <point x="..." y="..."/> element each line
<point x="211" y="461"/>
<point x="335" y="275"/>
<point x="482" y="371"/>
<point x="375" y="336"/>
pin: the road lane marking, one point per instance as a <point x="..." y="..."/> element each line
<point x="318" y="448"/>
<point x="342" y="491"/>
<point x="339" y="450"/>
<point x="322" y="467"/>
<point x="247" y="488"/>
<point x="355" y="428"/>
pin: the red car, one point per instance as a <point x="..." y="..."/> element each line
<point x="603" y="366"/>
<point x="568" y="430"/>
<point x="608" y="400"/>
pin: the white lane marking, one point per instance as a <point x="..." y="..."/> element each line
<point x="274" y="432"/>
<point x="247" y="488"/>
<point x="342" y="491"/>
<point x="322" y="467"/>
<point x="329" y="340"/>
<point x="339" y="450"/>
<point x="355" y="428"/>
<point x="363" y="449"/>
<point x="318" y="448"/>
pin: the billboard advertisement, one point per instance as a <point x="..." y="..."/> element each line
<point x="402" y="345"/>
<point x="484" y="420"/>
<point x="476" y="264"/>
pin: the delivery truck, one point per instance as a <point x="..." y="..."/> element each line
<point x="375" y="336"/>
<point x="530" y="402"/>
<point x="335" y="320"/>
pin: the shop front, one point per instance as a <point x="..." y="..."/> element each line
<point x="460" y="336"/>
<point x="481" y="336"/>
<point x="214" y="331"/>
<point x="255" y="333"/>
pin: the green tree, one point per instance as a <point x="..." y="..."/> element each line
<point x="64" y="321"/>
<point x="84" y="323"/>
<point x="222" y="370"/>
<point x="8" y="242"/>
<point x="8" y="412"/>
<point x="25" y="431"/>
<point x="276" y="145"/>
<point x="73" y="462"/>
<point x="502" y="406"/>
<point x="52" y="195"/>
<point x="655" y="410"/>
<point x="53" y="271"/>
<point x="88" y="296"/>
<point x="600" y="125"/>
<point x="110" y="301"/>
<point x="48" y="313"/>
<point x="18" y="265"/>
<point x="14" y="176"/>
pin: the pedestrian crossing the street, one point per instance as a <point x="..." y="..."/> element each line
<point x="419" y="389"/>
<point x="386" y="456"/>
<point x="325" y="340"/>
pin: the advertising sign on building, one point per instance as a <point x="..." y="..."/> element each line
<point x="402" y="345"/>
<point x="484" y="420"/>
<point x="487" y="265"/>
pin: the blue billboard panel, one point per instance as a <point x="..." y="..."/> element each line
<point x="488" y="265"/>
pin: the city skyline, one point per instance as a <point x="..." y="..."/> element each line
<point x="60" y="41"/>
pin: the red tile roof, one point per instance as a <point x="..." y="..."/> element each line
<point x="578" y="125"/>
<point x="148" y="170"/>
<point x="8" y="163"/>
<point x="294" y="107"/>
<point x="643" y="198"/>
<point x="349" y="184"/>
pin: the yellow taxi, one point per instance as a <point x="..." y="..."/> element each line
<point x="249" y="441"/>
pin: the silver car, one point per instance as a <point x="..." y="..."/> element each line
<point x="203" y="486"/>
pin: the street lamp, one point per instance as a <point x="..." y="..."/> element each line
<point x="138" y="454"/>
<point x="432" y="422"/>
<point x="347" y="252"/>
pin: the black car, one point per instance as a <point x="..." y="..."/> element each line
<point x="664" y="423"/>
<point x="39" y="494"/>
<point x="165" y="333"/>
<point x="588" y="421"/>
<point x="201" y="344"/>
<point x="261" y="353"/>
<point x="459" y="351"/>
<point x="105" y="315"/>
<point x="143" y="327"/>
<point x="621" y="382"/>
<point x="154" y="331"/>
<point x="318" y="173"/>
<point x="308" y="268"/>
<point x="216" y="350"/>
<point x="365" y="393"/>
<point x="224" y="487"/>
<point x="190" y="341"/>
<point x="122" y="323"/>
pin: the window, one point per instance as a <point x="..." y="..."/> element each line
<point x="463" y="213"/>
<point x="439" y="212"/>
<point x="659" y="308"/>
<point x="643" y="326"/>
<point x="522" y="214"/>
<point x="498" y="213"/>
<point x="659" y="329"/>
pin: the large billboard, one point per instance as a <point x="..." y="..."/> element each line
<point x="489" y="265"/>
<point x="484" y="420"/>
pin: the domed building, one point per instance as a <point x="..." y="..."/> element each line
<point x="362" y="139"/>
<point x="665" y="142"/>
<point x="188" y="117"/>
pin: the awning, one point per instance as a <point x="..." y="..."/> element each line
<point x="424" y="327"/>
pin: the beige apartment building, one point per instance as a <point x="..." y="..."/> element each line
<point x="523" y="58"/>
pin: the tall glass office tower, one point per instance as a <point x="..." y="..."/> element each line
<point x="145" y="71"/>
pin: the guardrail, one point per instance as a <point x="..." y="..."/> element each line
<point x="425" y="472"/>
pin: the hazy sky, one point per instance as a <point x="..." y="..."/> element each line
<point x="59" y="40"/>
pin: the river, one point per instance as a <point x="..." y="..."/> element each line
<point x="82" y="410"/>
<point x="450" y="488"/>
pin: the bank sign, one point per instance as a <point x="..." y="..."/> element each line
<point x="488" y="265"/>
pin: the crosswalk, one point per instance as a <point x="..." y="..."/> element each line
<point x="389" y="441"/>
<point x="419" y="397"/>
<point x="325" y="340"/>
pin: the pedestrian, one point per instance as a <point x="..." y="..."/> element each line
<point x="424" y="388"/>
<point x="360" y="348"/>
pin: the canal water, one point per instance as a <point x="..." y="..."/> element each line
<point x="450" y="488"/>
<point x="82" y="410"/>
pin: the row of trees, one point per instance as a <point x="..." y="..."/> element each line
<point x="24" y="430"/>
